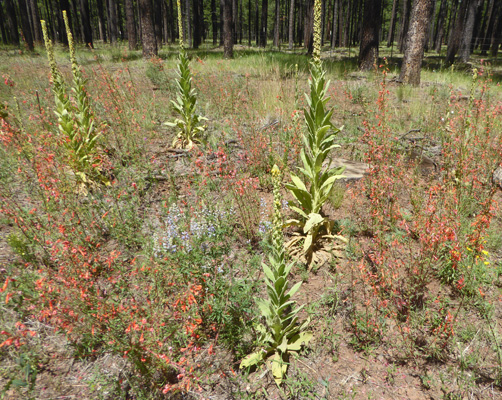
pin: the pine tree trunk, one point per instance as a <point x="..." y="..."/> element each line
<point x="496" y="37"/>
<point x="157" y="21"/>
<point x="25" y="24"/>
<point x="249" y="22"/>
<point x="392" y="23"/>
<point x="334" y="34"/>
<point x="12" y="22"/>
<point x="493" y="11"/>
<point x="131" y="25"/>
<point x="35" y="16"/>
<point x="75" y="22"/>
<point x="165" y="22"/>
<point x="291" y="24"/>
<point x="214" y="22"/>
<point x="370" y="29"/>
<point x="86" y="23"/>
<point x="415" y="42"/>
<point x="264" y="23"/>
<point x="455" y="37"/>
<point x="228" y="37"/>
<point x="148" y="40"/>
<point x="257" y="22"/>
<point x="197" y="24"/>
<point x="438" y="37"/>
<point x="112" y="20"/>
<point x="403" y="28"/>
<point x="5" y="37"/>
<point x="308" y="37"/>
<point x="465" y="47"/>
<point x="277" y="24"/>
<point x="101" y="20"/>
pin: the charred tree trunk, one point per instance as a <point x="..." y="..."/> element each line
<point x="101" y="20"/>
<point x="257" y="23"/>
<point x="25" y="24"/>
<point x="5" y="37"/>
<point x="197" y="24"/>
<point x="112" y="21"/>
<point x="416" y="40"/>
<point x="496" y="37"/>
<point x="131" y="25"/>
<point x="214" y="22"/>
<point x="277" y="23"/>
<point x="228" y="37"/>
<point x="249" y="22"/>
<point x="291" y="26"/>
<point x="368" y="50"/>
<point x="86" y="22"/>
<point x="157" y="21"/>
<point x="35" y="17"/>
<point x="494" y="11"/>
<point x="264" y="23"/>
<point x="12" y="22"/>
<point x="76" y="22"/>
<point x="334" y="32"/>
<point x="148" y="40"/>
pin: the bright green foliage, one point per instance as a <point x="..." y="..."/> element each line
<point x="189" y="122"/>
<point x="318" y="141"/>
<point x="280" y="334"/>
<point x="75" y="119"/>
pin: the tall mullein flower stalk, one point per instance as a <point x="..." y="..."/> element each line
<point x="75" y="119"/>
<point x="84" y="136"/>
<point x="280" y="334"/>
<point x="319" y="141"/>
<point x="189" y="123"/>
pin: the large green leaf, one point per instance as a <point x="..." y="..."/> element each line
<point x="313" y="220"/>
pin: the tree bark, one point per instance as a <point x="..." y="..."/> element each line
<point x="5" y="37"/>
<point x="392" y="23"/>
<point x="496" y="37"/>
<point x="277" y="24"/>
<point x="132" y="38"/>
<point x="368" y="50"/>
<point x="465" y="48"/>
<point x="197" y="24"/>
<point x="336" y="17"/>
<point x="455" y="39"/>
<point x="25" y="24"/>
<point x="416" y="39"/>
<point x="188" y="25"/>
<point x="438" y="37"/>
<point x="291" y="24"/>
<point x="75" y="22"/>
<point x="403" y="28"/>
<point x="148" y="40"/>
<point x="264" y="23"/>
<point x="86" y="23"/>
<point x="101" y="20"/>
<point x="12" y="22"/>
<point x="308" y="37"/>
<point x="214" y="22"/>
<point x="112" y="20"/>
<point x="228" y="37"/>
<point x="494" y="11"/>
<point x="257" y="22"/>
<point x="35" y="16"/>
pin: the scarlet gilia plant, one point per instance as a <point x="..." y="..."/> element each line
<point x="318" y="141"/>
<point x="280" y="334"/>
<point x="189" y="122"/>
<point x="75" y="119"/>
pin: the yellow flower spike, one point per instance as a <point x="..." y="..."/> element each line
<point x="50" y="51"/>
<point x="484" y="252"/>
<point x="180" y="23"/>
<point x="71" y="43"/>
<point x="317" y="30"/>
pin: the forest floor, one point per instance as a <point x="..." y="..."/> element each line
<point x="410" y="307"/>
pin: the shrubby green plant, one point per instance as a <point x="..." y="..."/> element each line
<point x="280" y="334"/>
<point x="318" y="141"/>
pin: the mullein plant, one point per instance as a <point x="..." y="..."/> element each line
<point x="189" y="122"/>
<point x="317" y="171"/>
<point x="75" y="119"/>
<point x="280" y="334"/>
